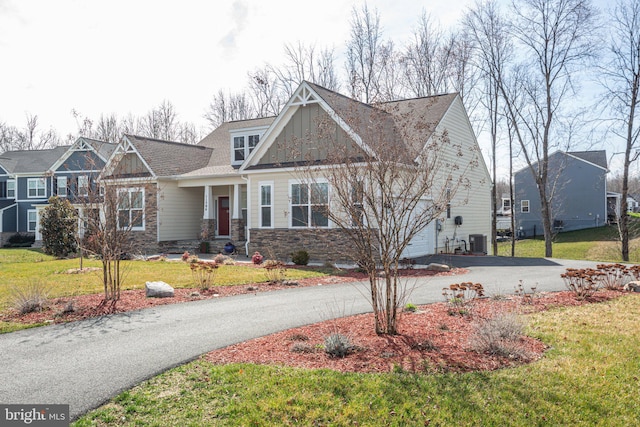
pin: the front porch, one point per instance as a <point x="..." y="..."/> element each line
<point x="224" y="214"/>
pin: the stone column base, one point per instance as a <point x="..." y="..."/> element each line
<point x="237" y="230"/>
<point x="208" y="229"/>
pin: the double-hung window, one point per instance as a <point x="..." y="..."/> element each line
<point x="36" y="187"/>
<point x="32" y="220"/>
<point x="266" y="204"/>
<point x="243" y="145"/>
<point x="524" y="206"/>
<point x="310" y="204"/>
<point x="11" y="189"/>
<point x="61" y="186"/>
<point x="83" y="185"/>
<point x="131" y="209"/>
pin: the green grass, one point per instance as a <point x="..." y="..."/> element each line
<point x="20" y="267"/>
<point x="595" y="244"/>
<point x="589" y="377"/>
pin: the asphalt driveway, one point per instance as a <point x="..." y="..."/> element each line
<point x="84" y="364"/>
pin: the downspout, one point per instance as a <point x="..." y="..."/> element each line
<point x="247" y="234"/>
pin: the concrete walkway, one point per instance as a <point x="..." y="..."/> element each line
<point x="86" y="363"/>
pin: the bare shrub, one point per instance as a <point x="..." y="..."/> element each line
<point x="30" y="298"/>
<point x="461" y="296"/>
<point x="203" y="273"/>
<point x="582" y="282"/>
<point x="302" y="347"/>
<point x="499" y="335"/>
<point x="613" y="276"/>
<point x="223" y="260"/>
<point x="275" y="270"/>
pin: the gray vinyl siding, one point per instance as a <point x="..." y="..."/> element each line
<point x="298" y="140"/>
<point x="9" y="219"/>
<point x="81" y="161"/>
<point x="579" y="196"/>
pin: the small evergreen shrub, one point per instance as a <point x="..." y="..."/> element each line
<point x="300" y="257"/>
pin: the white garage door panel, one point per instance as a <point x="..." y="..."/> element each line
<point x="422" y="244"/>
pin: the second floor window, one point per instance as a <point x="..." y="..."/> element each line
<point x="11" y="189"/>
<point x="524" y="206"/>
<point x="83" y="185"/>
<point x="243" y="146"/>
<point x="36" y="187"/>
<point x="62" y="186"/>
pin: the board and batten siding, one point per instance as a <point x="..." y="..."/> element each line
<point x="179" y="211"/>
<point x="472" y="204"/>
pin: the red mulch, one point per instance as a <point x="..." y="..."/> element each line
<point x="428" y="340"/>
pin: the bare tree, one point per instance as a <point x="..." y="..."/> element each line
<point x="487" y="29"/>
<point x="365" y="54"/>
<point x="555" y="39"/>
<point x="620" y="78"/>
<point x="265" y="93"/>
<point x="383" y="192"/>
<point x="228" y="107"/>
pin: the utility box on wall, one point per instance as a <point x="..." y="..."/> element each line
<point x="477" y="243"/>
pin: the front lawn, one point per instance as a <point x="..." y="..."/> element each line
<point x="588" y="377"/>
<point x="22" y="267"/>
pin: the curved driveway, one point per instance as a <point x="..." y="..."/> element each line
<point x="83" y="364"/>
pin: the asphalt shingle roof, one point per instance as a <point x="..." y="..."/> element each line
<point x="597" y="157"/>
<point x="31" y="161"/>
<point x="168" y="158"/>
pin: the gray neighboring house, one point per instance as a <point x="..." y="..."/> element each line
<point x="578" y="184"/>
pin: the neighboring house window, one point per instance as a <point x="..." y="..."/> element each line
<point x="36" y="187"/>
<point x="32" y="220"/>
<point x="131" y="209"/>
<point x="243" y="146"/>
<point x="11" y="189"/>
<point x="506" y="205"/>
<point x="3" y="189"/>
<point x="62" y="186"/>
<point x="524" y="206"/>
<point x="266" y="205"/>
<point x="309" y="205"/>
<point x="448" y="203"/>
<point x="83" y="185"/>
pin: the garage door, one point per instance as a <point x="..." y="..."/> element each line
<point x="423" y="243"/>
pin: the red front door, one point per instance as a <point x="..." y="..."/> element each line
<point x="223" y="216"/>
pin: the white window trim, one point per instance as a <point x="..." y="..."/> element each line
<point x="261" y="184"/>
<point x="44" y="187"/>
<point x="522" y="206"/>
<point x="65" y="187"/>
<point x="129" y="191"/>
<point x="247" y="151"/>
<point x="84" y="189"/>
<point x="29" y="212"/>
<point x="316" y="181"/>
<point x="11" y="181"/>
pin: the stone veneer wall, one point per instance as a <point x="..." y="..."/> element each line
<point x="146" y="242"/>
<point x="208" y="229"/>
<point x="237" y="230"/>
<point x="322" y="244"/>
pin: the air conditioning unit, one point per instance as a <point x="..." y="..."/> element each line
<point x="478" y="243"/>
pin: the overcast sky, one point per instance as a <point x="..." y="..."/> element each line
<point x="121" y="56"/>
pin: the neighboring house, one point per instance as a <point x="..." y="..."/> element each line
<point x="578" y="185"/>
<point x="614" y="204"/>
<point x="29" y="177"/>
<point x="238" y="183"/>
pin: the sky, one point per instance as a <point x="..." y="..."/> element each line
<point x="128" y="56"/>
<point x="121" y="56"/>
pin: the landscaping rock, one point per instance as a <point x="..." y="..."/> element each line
<point x="632" y="286"/>
<point x="158" y="290"/>
<point x="438" y="267"/>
